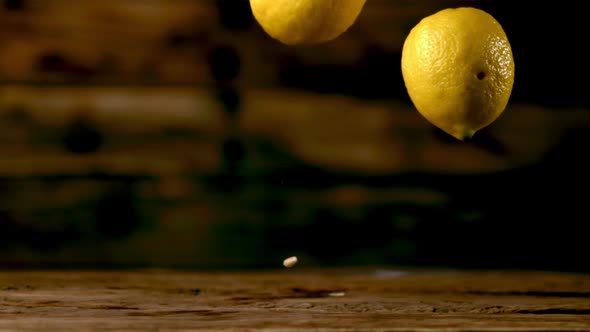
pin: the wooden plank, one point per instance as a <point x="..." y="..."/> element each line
<point x="295" y="300"/>
<point x="167" y="42"/>
<point x="142" y="131"/>
<point x="110" y="41"/>
<point x="331" y="131"/>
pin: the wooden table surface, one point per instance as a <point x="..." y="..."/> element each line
<point x="294" y="300"/>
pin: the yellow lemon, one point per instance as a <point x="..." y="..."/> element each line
<point x="458" y="68"/>
<point x="295" y="22"/>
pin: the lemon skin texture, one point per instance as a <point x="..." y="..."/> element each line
<point x="458" y="69"/>
<point x="306" y="22"/>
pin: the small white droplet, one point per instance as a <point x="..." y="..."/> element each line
<point x="337" y="294"/>
<point x="290" y="262"/>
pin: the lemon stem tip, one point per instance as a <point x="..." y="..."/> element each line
<point x="464" y="137"/>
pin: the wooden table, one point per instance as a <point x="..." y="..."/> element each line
<point x="294" y="300"/>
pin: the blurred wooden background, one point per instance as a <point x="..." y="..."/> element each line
<point x="176" y="133"/>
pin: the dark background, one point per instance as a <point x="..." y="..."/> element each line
<point x="313" y="151"/>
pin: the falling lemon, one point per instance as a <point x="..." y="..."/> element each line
<point x="294" y="22"/>
<point x="458" y="69"/>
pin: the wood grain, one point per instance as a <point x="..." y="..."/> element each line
<point x="294" y="300"/>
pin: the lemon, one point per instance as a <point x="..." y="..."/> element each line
<point x="458" y="68"/>
<point x="295" y="22"/>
